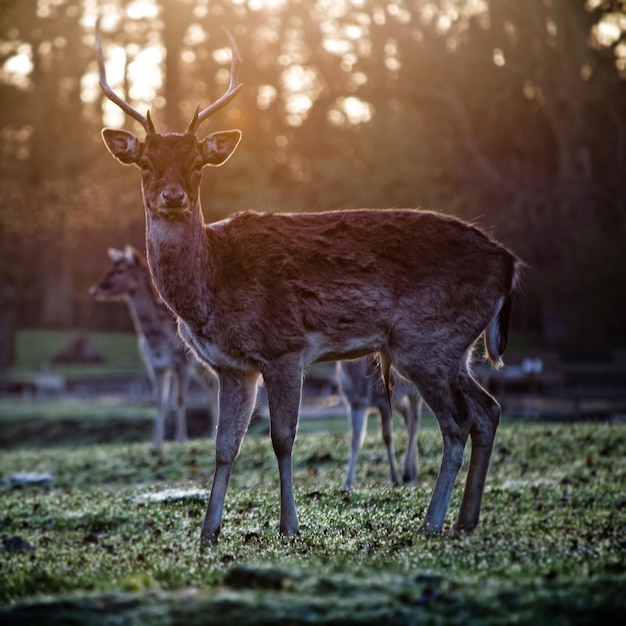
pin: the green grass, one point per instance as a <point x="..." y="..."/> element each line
<point x="550" y="547"/>
<point x="16" y="410"/>
<point x="36" y="347"/>
<point x="34" y="350"/>
<point x="45" y="423"/>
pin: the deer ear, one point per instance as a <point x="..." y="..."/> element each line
<point x="115" y="255"/>
<point x="129" y="255"/>
<point x="218" y="147"/>
<point x="124" y="146"/>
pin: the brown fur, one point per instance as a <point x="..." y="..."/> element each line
<point x="262" y="295"/>
<point x="167" y="360"/>
<point x="362" y="388"/>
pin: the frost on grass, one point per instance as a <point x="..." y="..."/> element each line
<point x="26" y="479"/>
<point x="172" y="495"/>
<point x="525" y="484"/>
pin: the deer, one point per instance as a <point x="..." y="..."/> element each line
<point x="260" y="295"/>
<point x="170" y="365"/>
<point x="361" y="388"/>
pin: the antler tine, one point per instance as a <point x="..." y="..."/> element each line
<point x="111" y="95"/>
<point x="233" y="89"/>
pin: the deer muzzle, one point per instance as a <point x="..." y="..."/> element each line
<point x="173" y="200"/>
<point x="97" y="292"/>
<point x="173" y="197"/>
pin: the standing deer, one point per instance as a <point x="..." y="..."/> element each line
<point x="264" y="294"/>
<point x="362" y="388"/>
<point x="166" y="358"/>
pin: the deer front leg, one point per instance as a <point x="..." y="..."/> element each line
<point x="283" y="382"/>
<point x="358" y="421"/>
<point x="237" y="394"/>
<point x="161" y="381"/>
<point x="180" y="389"/>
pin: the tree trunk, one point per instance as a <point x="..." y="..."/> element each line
<point x="176" y="17"/>
<point x="57" y="309"/>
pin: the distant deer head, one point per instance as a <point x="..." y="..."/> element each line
<point x="127" y="274"/>
<point x="176" y="158"/>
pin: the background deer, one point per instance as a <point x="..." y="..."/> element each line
<point x="262" y="295"/>
<point x="362" y="388"/>
<point x="169" y="363"/>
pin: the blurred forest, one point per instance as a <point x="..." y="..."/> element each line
<point x="508" y="113"/>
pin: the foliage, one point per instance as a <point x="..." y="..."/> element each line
<point x="97" y="548"/>
<point x="506" y="113"/>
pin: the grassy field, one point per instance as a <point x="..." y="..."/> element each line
<point x="113" y="537"/>
<point x="36" y="347"/>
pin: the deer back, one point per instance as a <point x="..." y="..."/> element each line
<point x="336" y="284"/>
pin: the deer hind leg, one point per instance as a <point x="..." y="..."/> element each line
<point x="411" y="412"/>
<point x="283" y="383"/>
<point x="441" y="391"/>
<point x="485" y="418"/>
<point x="386" y="426"/>
<point x="358" y="421"/>
<point x="237" y="394"/>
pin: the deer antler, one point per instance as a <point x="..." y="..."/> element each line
<point x="233" y="90"/>
<point x="146" y="122"/>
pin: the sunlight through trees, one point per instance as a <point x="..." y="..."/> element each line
<point x="507" y="113"/>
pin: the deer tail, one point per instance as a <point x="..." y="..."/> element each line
<point x="497" y="332"/>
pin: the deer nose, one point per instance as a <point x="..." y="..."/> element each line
<point x="173" y="197"/>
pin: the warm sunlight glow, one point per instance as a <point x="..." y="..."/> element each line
<point x="266" y="95"/>
<point x="498" y="57"/>
<point x="608" y="31"/>
<point x="301" y="90"/>
<point x="142" y="9"/>
<point x="145" y="74"/>
<point x="357" y="111"/>
<point x="16" y="69"/>
<point x="272" y="5"/>
<point x="350" y="110"/>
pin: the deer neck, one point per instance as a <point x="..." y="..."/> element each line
<point x="145" y="307"/>
<point x="179" y="260"/>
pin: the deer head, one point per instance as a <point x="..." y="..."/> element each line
<point x="171" y="164"/>
<point x="123" y="278"/>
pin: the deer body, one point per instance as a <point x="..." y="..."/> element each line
<point x="267" y="294"/>
<point x="334" y="285"/>
<point x="361" y="387"/>
<point x="263" y="295"/>
<point x="167" y="360"/>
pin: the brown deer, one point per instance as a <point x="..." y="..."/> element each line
<point x="361" y="387"/>
<point x="168" y="361"/>
<point x="264" y="294"/>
